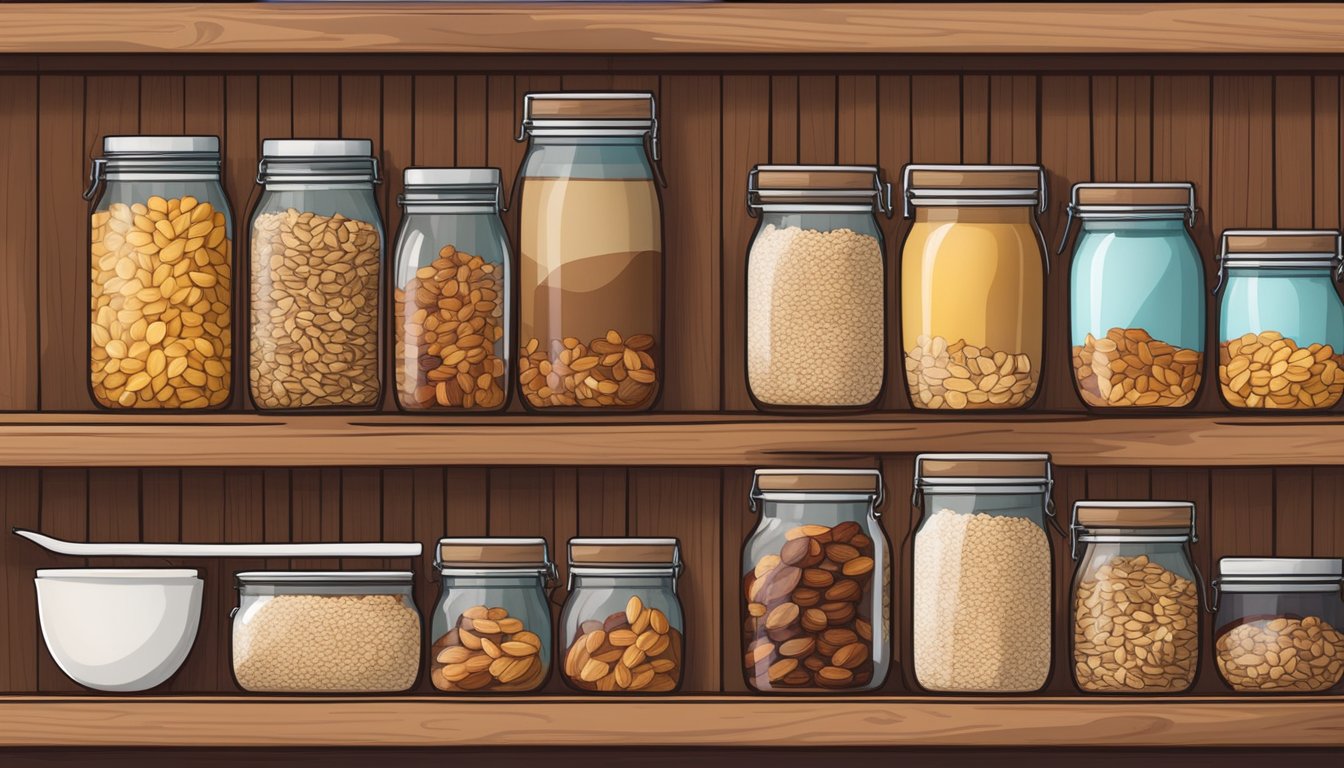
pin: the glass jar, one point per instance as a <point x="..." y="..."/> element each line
<point x="317" y="252"/>
<point x="816" y="582"/>
<point x="1281" y="321"/>
<point x="973" y="285"/>
<point x="1135" y="597"/>
<point x="492" y="624"/>
<point x="816" y="286"/>
<point x="622" y="627"/>
<point x="1136" y="294"/>
<point x="325" y="632"/>
<point x="450" y="297"/>
<point x="160" y="275"/>
<point x="982" y="572"/>
<point x="591" y="245"/>
<point x="1279" y="624"/>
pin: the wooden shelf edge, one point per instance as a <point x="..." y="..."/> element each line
<point x="698" y="721"/>
<point x="513" y="28"/>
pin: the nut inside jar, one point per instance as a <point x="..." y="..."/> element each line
<point x="634" y="650"/>
<point x="488" y="650"/>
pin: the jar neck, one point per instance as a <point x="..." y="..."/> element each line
<point x="629" y="581"/>
<point x="1174" y="223"/>
<point x="976" y="214"/>
<point x="800" y="511"/>
<point x="492" y="581"/>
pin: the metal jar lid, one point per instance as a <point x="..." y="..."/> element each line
<point x="1116" y="201"/>
<point x="1280" y="249"/>
<point x="427" y="190"/>
<point x="820" y="485"/>
<point x="155" y="158"/>
<point x="626" y="555"/>
<point x="1279" y="574"/>
<point x="960" y="186"/>
<point x="306" y="161"/>
<point x="983" y="473"/>
<point x="818" y="188"/>
<point x="591" y="114"/>
<point x="1122" y="522"/>
<point x="493" y="555"/>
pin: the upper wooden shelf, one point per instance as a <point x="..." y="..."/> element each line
<point x="676" y="28"/>
<point x="687" y="721"/>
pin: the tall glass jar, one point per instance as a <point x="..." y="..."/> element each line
<point x="450" y="295"/>
<point x="1136" y="597"/>
<point x="1279" y="624"/>
<point x="816" y="582"/>
<point x="316" y="271"/>
<point x="982" y="572"/>
<point x="973" y="285"/>
<point x="591" y="243"/>
<point x="160" y="275"/>
<point x="816" y="286"/>
<point x="492" y="624"/>
<point x="1281" y="321"/>
<point x="622" y="628"/>
<point x="1136" y="293"/>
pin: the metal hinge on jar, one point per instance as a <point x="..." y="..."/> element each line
<point x="1281" y="249"/>
<point x="1128" y="202"/>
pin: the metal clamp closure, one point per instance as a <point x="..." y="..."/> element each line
<point x="876" y="498"/>
<point x="880" y="194"/>
<point x="1040" y="193"/>
<point x="1280" y="260"/>
<point x="315" y="177"/>
<point x="1077" y="530"/>
<point x="1075" y="209"/>
<point x="97" y="175"/>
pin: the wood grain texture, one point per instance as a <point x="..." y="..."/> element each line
<point x="18" y="245"/>
<point x="62" y="260"/>
<point x="746" y="143"/>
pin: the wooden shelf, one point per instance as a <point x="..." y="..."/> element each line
<point x="1092" y="28"/>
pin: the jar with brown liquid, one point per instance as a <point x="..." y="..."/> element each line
<point x="591" y="243"/>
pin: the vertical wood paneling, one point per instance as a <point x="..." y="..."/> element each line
<point x="522" y="502"/>
<point x="1294" y="171"/>
<point x="893" y="153"/>
<point x="18" y="244"/>
<point x="1325" y="152"/>
<point x="361" y="508"/>
<point x="1327" y="524"/>
<point x="1242" y="513"/>
<point x="935" y="108"/>
<point x="163" y="105"/>
<point x="1071" y="484"/>
<point x="435" y="120"/>
<point x="62" y="262"/>
<point x="746" y="143"/>
<point x="317" y="106"/>
<point x="737" y="524"/>
<point x="1243" y="152"/>
<point x="204" y="519"/>
<point x="114" y="510"/>
<point x="244" y="508"/>
<point x="1012" y="119"/>
<point x="1292" y="512"/>
<point x="471" y="121"/>
<point x="19" y="499"/>
<point x="783" y="119"/>
<point x="64" y="513"/>
<point x="975" y="119"/>
<point x="1121" y="128"/>
<point x="899" y="519"/>
<point x="816" y="119"/>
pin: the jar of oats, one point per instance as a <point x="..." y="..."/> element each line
<point x="816" y="286"/>
<point x="1136" y="296"/>
<point x="983" y="586"/>
<point x="451" y="290"/>
<point x="1279" y="624"/>
<point x="973" y="285"/>
<point x="160" y="275"/>
<point x="316" y="271"/>
<point x="1136" y="597"/>
<point x="1280" y="320"/>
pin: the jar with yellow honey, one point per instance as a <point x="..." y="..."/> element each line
<point x="973" y="285"/>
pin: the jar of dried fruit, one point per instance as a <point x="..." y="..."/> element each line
<point x="816" y="286"/>
<point x="621" y="630"/>
<point x="450" y="294"/>
<point x="316" y="271"/>
<point x="1136" y="597"/>
<point x="1281" y="321"/>
<point x="1136" y="296"/>
<point x="816" y="582"/>
<point x="973" y="285"/>
<point x="160" y="275"/>
<point x="492" y="625"/>
<point x="1279" y="624"/>
<point x="982" y="572"/>
<point x="591" y="245"/>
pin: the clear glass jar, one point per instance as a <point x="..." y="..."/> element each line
<point x="1136" y="597"/>
<point x="1136" y="293"/>
<point x="492" y="624"/>
<point x="1281" y="321"/>
<point x="591" y="245"/>
<point x="973" y="285"/>
<point x="983" y="586"/>
<point x="816" y="286"/>
<point x="325" y="632"/>
<point x="622" y="628"/>
<point x="816" y="582"/>
<point x="316" y="271"/>
<point x="160" y="275"/>
<point x="450" y="297"/>
<point x="1279" y="624"/>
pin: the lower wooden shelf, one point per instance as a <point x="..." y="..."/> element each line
<point x="685" y="721"/>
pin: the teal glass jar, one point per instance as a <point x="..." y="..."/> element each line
<point x="1281" y="321"/>
<point x="1136" y="295"/>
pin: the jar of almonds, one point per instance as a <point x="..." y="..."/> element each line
<point x="621" y="630"/>
<point x="1135" y="597"/>
<point x="450" y="295"/>
<point x="160" y="275"/>
<point x="492" y="625"/>
<point x="816" y="582"/>
<point x="316" y="271"/>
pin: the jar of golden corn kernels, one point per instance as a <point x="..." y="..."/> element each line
<point x="160" y="275"/>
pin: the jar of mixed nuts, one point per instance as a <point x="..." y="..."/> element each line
<point x="492" y="625"/>
<point x="1135" y="597"/>
<point x="816" y="582"/>
<point x="451" y="292"/>
<point x="315" y="283"/>
<point x="160" y="275"/>
<point x="622" y="628"/>
<point x="1279" y="625"/>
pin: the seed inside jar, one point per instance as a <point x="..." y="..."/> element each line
<point x="1282" y="654"/>
<point x="1129" y="368"/>
<point x="962" y="376"/>
<point x="161" y="300"/>
<point x="634" y="650"/>
<point x="450" y="334"/>
<point x="611" y="372"/>
<point x="488" y="650"/>
<point x="1267" y="370"/>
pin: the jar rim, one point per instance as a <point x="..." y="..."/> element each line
<point x="970" y="186"/>
<point x="249" y="578"/>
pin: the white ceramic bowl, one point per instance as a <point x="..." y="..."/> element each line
<point x="119" y="629"/>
